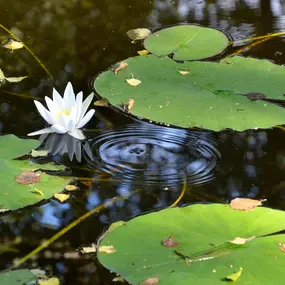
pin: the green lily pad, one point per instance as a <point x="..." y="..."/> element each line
<point x="15" y="195"/>
<point x="12" y="146"/>
<point x="202" y="252"/>
<point x="210" y="95"/>
<point x="187" y="42"/>
<point x="17" y="277"/>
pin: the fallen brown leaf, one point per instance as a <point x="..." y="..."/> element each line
<point x="170" y="242"/>
<point x="28" y="177"/>
<point x="245" y="204"/>
<point x="122" y="65"/>
<point x="150" y="281"/>
<point x="131" y="104"/>
<point x="61" y="197"/>
<point x="239" y="240"/>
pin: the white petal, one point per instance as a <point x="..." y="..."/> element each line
<point x="44" y="112"/>
<point x="78" y="104"/>
<point x="85" y="119"/>
<point x="69" y="96"/>
<point x="59" y="129"/>
<point x="77" y="134"/>
<point x="71" y="120"/>
<point x="43" y="131"/>
<point x="85" y="105"/>
<point x="58" y="101"/>
<point x="51" y="105"/>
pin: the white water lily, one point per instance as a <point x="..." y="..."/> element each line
<point x="66" y="114"/>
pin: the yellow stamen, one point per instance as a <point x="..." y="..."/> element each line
<point x="63" y="111"/>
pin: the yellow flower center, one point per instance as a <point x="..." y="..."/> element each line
<point x="63" y="111"/>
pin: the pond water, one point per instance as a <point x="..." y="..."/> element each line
<point x="76" y="40"/>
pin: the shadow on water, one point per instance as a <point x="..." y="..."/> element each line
<point x="77" y="41"/>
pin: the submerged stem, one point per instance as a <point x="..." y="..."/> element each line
<point x="28" y="49"/>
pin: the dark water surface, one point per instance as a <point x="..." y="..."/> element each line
<point x="76" y="40"/>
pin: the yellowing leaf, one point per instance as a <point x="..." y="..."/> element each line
<point x="15" y="79"/>
<point x="143" y="52"/>
<point x="71" y="187"/>
<point x="239" y="240"/>
<point x="51" y="281"/>
<point x="37" y="191"/>
<point x="183" y="72"/>
<point x="122" y="65"/>
<point x="245" y="204"/>
<point x="133" y="82"/>
<point x="12" y="44"/>
<point x="61" y="197"/>
<point x="39" y="153"/>
<point x="235" y="276"/>
<point x="138" y="34"/>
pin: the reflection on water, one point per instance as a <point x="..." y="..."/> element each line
<point x="60" y="144"/>
<point x="149" y="154"/>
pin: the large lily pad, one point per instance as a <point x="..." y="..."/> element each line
<point x="187" y="42"/>
<point x="201" y="253"/>
<point x="209" y="95"/>
<point x="15" y="195"/>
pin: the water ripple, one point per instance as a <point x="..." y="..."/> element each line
<point x="152" y="154"/>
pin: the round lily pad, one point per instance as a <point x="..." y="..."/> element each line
<point x="198" y="245"/>
<point x="187" y="42"/>
<point x="209" y="95"/>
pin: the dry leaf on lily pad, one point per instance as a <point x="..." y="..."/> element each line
<point x="138" y="34"/>
<point x="12" y="44"/>
<point x="28" y="177"/>
<point x="143" y="52"/>
<point x="61" y="197"/>
<point x="150" y="281"/>
<point x="107" y="249"/>
<point x="170" y="242"/>
<point x="239" y="240"/>
<point x="235" y="276"/>
<point x="122" y="65"/>
<point x="91" y="249"/>
<point x="131" y="104"/>
<point x="133" y="82"/>
<point x="245" y="204"/>
<point x="51" y="281"/>
<point x="282" y="247"/>
<point x="183" y="72"/>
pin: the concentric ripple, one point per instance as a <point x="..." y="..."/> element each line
<point x="151" y="154"/>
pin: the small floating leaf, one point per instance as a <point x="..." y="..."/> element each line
<point x="235" y="276"/>
<point x="245" y="204"/>
<point x="15" y="79"/>
<point x="102" y="103"/>
<point x="143" y="52"/>
<point x="71" y="187"/>
<point x="61" y="197"/>
<point x="138" y="34"/>
<point x="88" y="249"/>
<point x="12" y="44"/>
<point x="51" y="281"/>
<point x="122" y="65"/>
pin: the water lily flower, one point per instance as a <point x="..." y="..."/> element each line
<point x="66" y="114"/>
